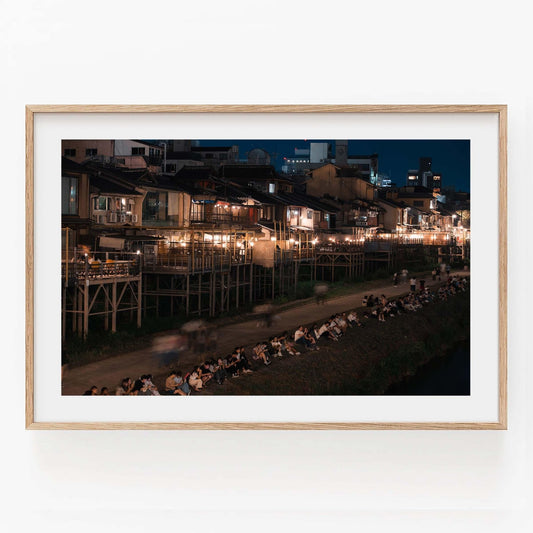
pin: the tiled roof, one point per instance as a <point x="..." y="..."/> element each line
<point x="248" y="172"/>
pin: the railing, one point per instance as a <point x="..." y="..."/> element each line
<point x="339" y="247"/>
<point x="227" y="218"/>
<point x="115" y="217"/>
<point x="199" y="257"/>
<point x="100" y="265"/>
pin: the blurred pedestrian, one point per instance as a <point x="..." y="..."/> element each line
<point x="321" y="290"/>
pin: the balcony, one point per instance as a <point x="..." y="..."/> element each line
<point x="114" y="217"/>
<point x="220" y="218"/>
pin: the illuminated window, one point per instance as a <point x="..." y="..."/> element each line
<point x="100" y="203"/>
<point x="271" y="188"/>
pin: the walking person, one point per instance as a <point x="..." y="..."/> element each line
<point x="395" y="279"/>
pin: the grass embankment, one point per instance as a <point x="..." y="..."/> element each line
<point x="366" y="361"/>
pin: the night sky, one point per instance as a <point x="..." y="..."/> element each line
<point x="450" y="157"/>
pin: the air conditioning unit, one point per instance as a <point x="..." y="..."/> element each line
<point x="101" y="219"/>
<point x="112" y="218"/>
<point x="122" y="217"/>
<point x="134" y="218"/>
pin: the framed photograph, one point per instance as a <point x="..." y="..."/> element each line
<point x="266" y="267"/>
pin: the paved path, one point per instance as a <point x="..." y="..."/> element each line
<point x="109" y="372"/>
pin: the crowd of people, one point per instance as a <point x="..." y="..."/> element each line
<point x="305" y="338"/>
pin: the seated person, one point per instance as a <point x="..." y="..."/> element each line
<point x="311" y="339"/>
<point x="148" y="388"/>
<point x="234" y="363"/>
<point x="353" y="319"/>
<point x="220" y="371"/>
<point x="207" y="373"/>
<point x="334" y="328"/>
<point x="341" y="322"/>
<point x="275" y="346"/>
<point x="244" y="363"/>
<point x="287" y="344"/>
<point x="325" y="331"/>
<point x="125" y="387"/>
<point x="174" y="384"/>
<point x="195" y="380"/>
<point x="259" y="353"/>
<point x="300" y="337"/>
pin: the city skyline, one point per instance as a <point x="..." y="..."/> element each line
<point x="451" y="158"/>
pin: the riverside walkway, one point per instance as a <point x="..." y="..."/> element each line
<point x="109" y="372"/>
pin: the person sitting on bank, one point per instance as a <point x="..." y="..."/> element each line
<point x="275" y="347"/>
<point x="287" y="344"/>
<point x="174" y="385"/>
<point x="244" y="363"/>
<point x="412" y="283"/>
<point x="148" y="388"/>
<point x="353" y="319"/>
<point x="260" y="353"/>
<point x="325" y="332"/>
<point x="207" y="372"/>
<point x="311" y="339"/>
<point x="300" y="338"/>
<point x="195" y="380"/>
<point x="220" y="371"/>
<point x="125" y="387"/>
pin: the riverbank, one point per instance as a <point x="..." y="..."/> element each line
<point x="110" y="371"/>
<point x="366" y="361"/>
<point x="101" y="345"/>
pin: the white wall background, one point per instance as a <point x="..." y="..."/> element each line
<point x="243" y="52"/>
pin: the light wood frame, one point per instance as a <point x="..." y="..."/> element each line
<point x="500" y="110"/>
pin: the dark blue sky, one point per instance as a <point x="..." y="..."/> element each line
<point x="396" y="157"/>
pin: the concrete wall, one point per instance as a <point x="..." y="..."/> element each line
<point x="103" y="147"/>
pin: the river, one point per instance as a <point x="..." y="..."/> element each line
<point x="444" y="376"/>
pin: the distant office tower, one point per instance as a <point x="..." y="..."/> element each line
<point x="425" y="176"/>
<point x="341" y="153"/>
<point x="318" y="152"/>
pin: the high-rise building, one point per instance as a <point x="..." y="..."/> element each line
<point x="424" y="176"/>
<point x="341" y="153"/>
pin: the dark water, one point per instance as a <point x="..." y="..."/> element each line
<point x="445" y="376"/>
